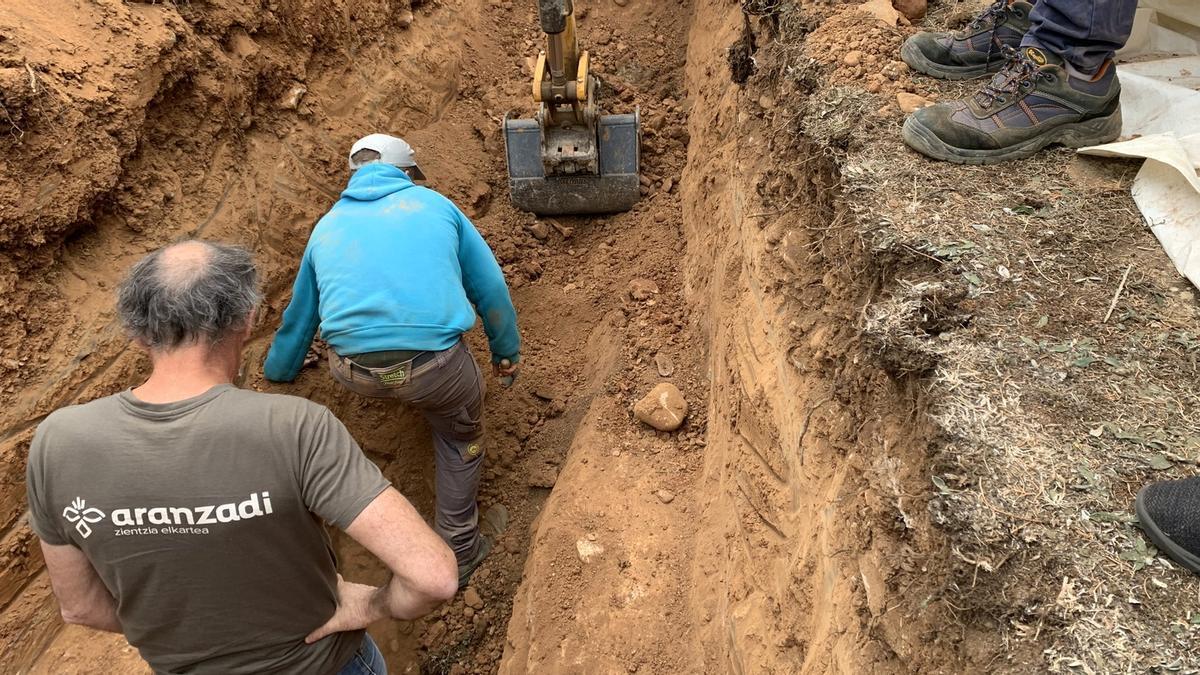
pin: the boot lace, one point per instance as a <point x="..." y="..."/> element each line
<point x="1019" y="74"/>
<point x="991" y="15"/>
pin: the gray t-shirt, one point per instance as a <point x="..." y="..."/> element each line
<point x="203" y="518"/>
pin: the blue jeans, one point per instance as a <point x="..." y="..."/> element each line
<point x="1084" y="33"/>
<point x="368" y="660"/>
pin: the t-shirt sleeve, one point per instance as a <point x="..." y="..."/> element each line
<point x="337" y="479"/>
<point x="41" y="519"/>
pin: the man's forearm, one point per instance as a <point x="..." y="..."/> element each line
<point x="102" y="615"/>
<point x="398" y="601"/>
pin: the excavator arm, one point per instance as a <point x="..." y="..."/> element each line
<point x="562" y="58"/>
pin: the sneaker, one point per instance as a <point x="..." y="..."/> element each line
<point x="1030" y="104"/>
<point x="493" y="522"/>
<point x="1170" y="515"/>
<point x="973" y="51"/>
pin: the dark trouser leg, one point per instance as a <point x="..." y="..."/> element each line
<point x="449" y="392"/>
<point x="1083" y="32"/>
<point x="458" y="445"/>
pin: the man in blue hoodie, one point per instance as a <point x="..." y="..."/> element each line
<point x="393" y="277"/>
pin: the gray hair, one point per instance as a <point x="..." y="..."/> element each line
<point x="187" y="293"/>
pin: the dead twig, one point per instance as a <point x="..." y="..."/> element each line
<point x="1120" y="287"/>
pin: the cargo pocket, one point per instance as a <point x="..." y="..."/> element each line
<point x="467" y="430"/>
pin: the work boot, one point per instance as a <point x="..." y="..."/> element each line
<point x="1028" y="105"/>
<point x="973" y="51"/>
<point x="1169" y="513"/>
<point x="493" y="522"/>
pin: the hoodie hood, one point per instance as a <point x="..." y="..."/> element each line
<point x="376" y="181"/>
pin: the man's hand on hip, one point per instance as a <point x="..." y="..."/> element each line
<point x="359" y="606"/>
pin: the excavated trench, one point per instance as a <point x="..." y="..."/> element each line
<point x="759" y="538"/>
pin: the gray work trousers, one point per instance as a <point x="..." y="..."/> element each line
<point x="448" y="389"/>
<point x="1085" y="33"/>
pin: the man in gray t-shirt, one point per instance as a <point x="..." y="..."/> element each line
<point x="188" y="514"/>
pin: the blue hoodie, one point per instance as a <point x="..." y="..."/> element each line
<point x="393" y="266"/>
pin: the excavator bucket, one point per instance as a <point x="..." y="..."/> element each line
<point x="570" y="158"/>
<point x="612" y="185"/>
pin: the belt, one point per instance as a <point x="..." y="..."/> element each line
<point x="363" y="363"/>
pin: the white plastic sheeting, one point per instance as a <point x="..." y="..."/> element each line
<point x="1160" y="106"/>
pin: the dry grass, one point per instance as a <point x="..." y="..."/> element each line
<point x="1052" y="414"/>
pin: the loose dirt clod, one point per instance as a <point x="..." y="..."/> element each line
<point x="664" y="364"/>
<point x="471" y="598"/>
<point x="913" y="10"/>
<point x="664" y="408"/>
<point x="642" y="289"/>
<point x="910" y="102"/>
<point x="543" y="476"/>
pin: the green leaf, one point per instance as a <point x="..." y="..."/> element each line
<point x="1029" y="342"/>
<point x="1110" y="517"/>
<point x="1130" y="554"/>
<point x="1083" y="361"/>
<point x="941" y="485"/>
<point x="1159" y="462"/>
<point x="973" y="278"/>
<point x="1041" y="323"/>
<point x="1060" y="348"/>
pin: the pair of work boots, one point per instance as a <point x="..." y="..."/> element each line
<point x="1032" y="100"/>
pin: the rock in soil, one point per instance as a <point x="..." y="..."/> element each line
<point x="543" y="476"/>
<point x="588" y="550"/>
<point x="664" y="364"/>
<point x="913" y="10"/>
<point x="642" y="289"/>
<point x="664" y="408"/>
<point x="665" y="496"/>
<point x="539" y="230"/>
<point x="471" y="598"/>
<point x="910" y="102"/>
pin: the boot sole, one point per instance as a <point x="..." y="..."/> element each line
<point x="917" y="60"/>
<point x="1161" y="540"/>
<point x="1074" y="135"/>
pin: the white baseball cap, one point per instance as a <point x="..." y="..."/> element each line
<point x="392" y="150"/>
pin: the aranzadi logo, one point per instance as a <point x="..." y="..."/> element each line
<point x="168" y="519"/>
<point x="79" y="513"/>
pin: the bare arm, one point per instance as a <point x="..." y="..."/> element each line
<point x="424" y="571"/>
<point x="81" y="594"/>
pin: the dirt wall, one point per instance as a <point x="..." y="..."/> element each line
<point x="125" y="126"/>
<point x="812" y="446"/>
<point x="815" y="550"/>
